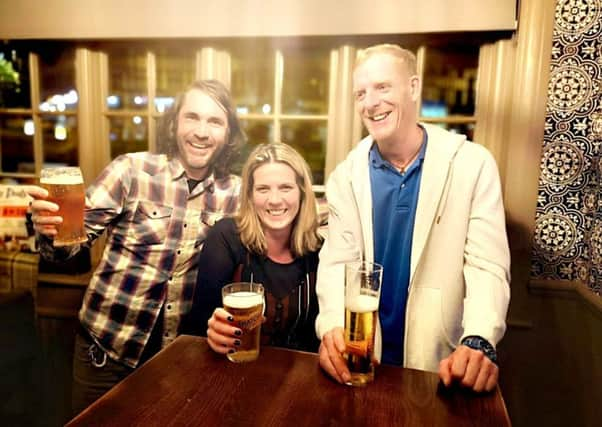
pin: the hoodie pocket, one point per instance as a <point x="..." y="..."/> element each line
<point x="427" y="341"/>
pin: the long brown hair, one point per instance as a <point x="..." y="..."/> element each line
<point x="168" y="125"/>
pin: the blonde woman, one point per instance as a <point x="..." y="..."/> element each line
<point x="274" y="241"/>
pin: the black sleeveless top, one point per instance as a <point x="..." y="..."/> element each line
<point x="291" y="302"/>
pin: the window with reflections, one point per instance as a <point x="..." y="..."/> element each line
<point x="280" y="86"/>
<point x="58" y="103"/>
<point x="57" y="78"/>
<point x="298" y="113"/>
<point x="16" y="143"/>
<point x="305" y="81"/>
<point x="59" y="139"/>
<point x="14" y="75"/>
<point x="128" y="135"/>
<point x="127" y="77"/>
<point x="175" y="71"/>
<point x="256" y="132"/>
<point x="252" y="76"/>
<point x="449" y="87"/>
<point x="308" y="137"/>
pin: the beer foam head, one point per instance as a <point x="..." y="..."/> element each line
<point x="362" y="304"/>
<point x="62" y="180"/>
<point x="243" y="299"/>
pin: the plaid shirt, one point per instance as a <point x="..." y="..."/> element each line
<point x="155" y="230"/>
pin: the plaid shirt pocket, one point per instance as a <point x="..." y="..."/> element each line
<point x="150" y="224"/>
<point x="210" y="218"/>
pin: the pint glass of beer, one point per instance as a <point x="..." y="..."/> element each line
<point x="65" y="187"/>
<point x="362" y="294"/>
<point x="244" y="301"/>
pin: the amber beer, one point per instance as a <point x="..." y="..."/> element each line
<point x="360" y="324"/>
<point x="245" y="303"/>
<point x="65" y="187"/>
<point x="362" y="293"/>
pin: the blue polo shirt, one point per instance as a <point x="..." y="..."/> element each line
<point x="394" y="201"/>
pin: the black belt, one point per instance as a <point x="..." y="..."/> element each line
<point x="83" y="332"/>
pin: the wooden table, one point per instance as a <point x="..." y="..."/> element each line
<point x="188" y="384"/>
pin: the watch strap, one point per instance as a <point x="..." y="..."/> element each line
<point x="479" y="343"/>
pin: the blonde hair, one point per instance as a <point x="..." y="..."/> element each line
<point x="304" y="235"/>
<point x="407" y="58"/>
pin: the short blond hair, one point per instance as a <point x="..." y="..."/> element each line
<point x="304" y="235"/>
<point x="407" y="57"/>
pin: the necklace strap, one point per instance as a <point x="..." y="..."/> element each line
<point x="402" y="167"/>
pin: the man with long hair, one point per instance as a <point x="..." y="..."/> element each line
<point x="156" y="209"/>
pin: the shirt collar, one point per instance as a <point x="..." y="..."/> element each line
<point x="425" y="139"/>
<point x="377" y="160"/>
<point x="177" y="172"/>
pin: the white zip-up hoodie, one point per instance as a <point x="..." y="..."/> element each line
<point x="460" y="263"/>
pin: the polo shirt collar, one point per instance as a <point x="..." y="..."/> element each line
<point x="377" y="161"/>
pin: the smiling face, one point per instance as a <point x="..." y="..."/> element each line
<point x="201" y="132"/>
<point x="385" y="97"/>
<point x="276" y="197"/>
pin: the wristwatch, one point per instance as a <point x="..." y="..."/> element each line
<point x="479" y="343"/>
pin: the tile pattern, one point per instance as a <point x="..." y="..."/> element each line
<point x="568" y="230"/>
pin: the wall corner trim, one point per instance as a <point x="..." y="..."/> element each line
<point x="567" y="289"/>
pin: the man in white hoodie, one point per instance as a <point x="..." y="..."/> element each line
<point x="426" y="204"/>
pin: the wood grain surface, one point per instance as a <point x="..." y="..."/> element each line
<point x="187" y="384"/>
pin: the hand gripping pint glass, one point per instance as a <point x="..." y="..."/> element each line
<point x="244" y="301"/>
<point x="362" y="293"/>
<point x="65" y="187"/>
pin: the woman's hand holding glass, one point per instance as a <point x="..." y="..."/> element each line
<point x="223" y="337"/>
